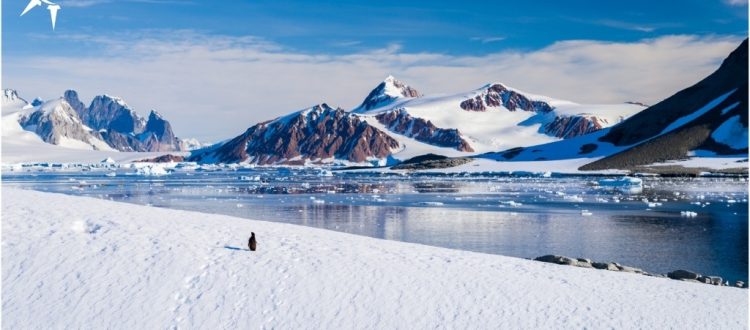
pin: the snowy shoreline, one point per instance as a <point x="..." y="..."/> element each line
<point x="81" y="262"/>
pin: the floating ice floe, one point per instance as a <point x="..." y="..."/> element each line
<point x="625" y="184"/>
<point x="651" y="204"/>
<point x="512" y="203"/>
<point x="586" y="213"/>
<point x="573" y="198"/>
<point x="152" y="170"/>
<point x="249" y="178"/>
<point x="431" y="203"/>
<point x="688" y="214"/>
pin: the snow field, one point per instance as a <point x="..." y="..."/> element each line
<point x="77" y="262"/>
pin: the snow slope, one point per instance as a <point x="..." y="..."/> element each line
<point x="731" y="133"/>
<point x="498" y="128"/>
<point x="572" y="148"/>
<point x="110" y="265"/>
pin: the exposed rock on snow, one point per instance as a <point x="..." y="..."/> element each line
<point x="57" y="123"/>
<point x="317" y="134"/>
<point x="431" y="161"/>
<point x="686" y="121"/>
<point x="108" y="124"/>
<point x="399" y="121"/>
<point x="113" y="114"/>
<point x="496" y="95"/>
<point x="10" y="96"/>
<point x="682" y="275"/>
<point x="566" y="127"/>
<point x="122" y="127"/>
<point x="168" y="158"/>
<point x="386" y="93"/>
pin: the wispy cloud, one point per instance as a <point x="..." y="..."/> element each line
<point x="347" y="43"/>
<point x="89" y="3"/>
<point x="214" y="86"/>
<point x="486" y="40"/>
<point x="625" y="25"/>
<point x="736" y="2"/>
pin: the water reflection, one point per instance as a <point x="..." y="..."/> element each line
<point x="516" y="216"/>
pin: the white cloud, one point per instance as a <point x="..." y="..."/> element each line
<point x="214" y="87"/>
<point x="736" y="2"/>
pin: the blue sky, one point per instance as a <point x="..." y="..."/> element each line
<point x="246" y="61"/>
<point x="452" y="27"/>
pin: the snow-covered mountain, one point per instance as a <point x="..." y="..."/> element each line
<point x="398" y="123"/>
<point x="57" y="123"/>
<point x="320" y="134"/>
<point x="190" y="144"/>
<point x="707" y="119"/>
<point x="388" y="92"/>
<point x="107" y="124"/>
<point x="11" y="102"/>
<point x="122" y="127"/>
<point x="497" y="117"/>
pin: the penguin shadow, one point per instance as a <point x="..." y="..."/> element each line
<point x="234" y="248"/>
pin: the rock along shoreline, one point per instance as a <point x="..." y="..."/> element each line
<point x="679" y="275"/>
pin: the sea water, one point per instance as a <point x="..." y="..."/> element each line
<point x="699" y="224"/>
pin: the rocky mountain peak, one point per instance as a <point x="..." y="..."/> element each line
<point x="71" y="97"/>
<point x="56" y="122"/>
<point x="388" y="91"/>
<point x="112" y="113"/>
<point x="496" y="94"/>
<point x="154" y="115"/>
<point x="10" y="96"/>
<point x="396" y="88"/>
<point x="318" y="134"/>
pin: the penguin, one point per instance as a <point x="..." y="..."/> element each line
<point x="251" y="244"/>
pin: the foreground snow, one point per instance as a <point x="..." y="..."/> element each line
<point x="84" y="263"/>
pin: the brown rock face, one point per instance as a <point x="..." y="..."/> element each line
<point x="401" y="122"/>
<point x="314" y="134"/>
<point x="644" y="130"/>
<point x="566" y="127"/>
<point x="732" y="74"/>
<point x="168" y="158"/>
<point x="497" y="95"/>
